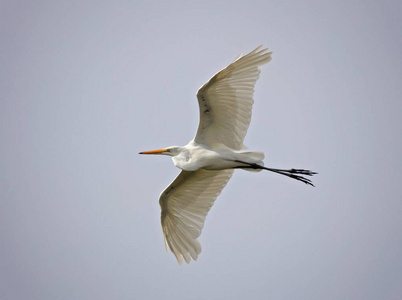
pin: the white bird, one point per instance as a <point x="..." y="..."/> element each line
<point x="208" y="161"/>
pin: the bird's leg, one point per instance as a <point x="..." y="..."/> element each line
<point x="290" y="173"/>
<point x="293" y="171"/>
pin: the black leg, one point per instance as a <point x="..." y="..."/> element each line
<point x="290" y="173"/>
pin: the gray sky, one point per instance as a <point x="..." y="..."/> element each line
<point x="85" y="86"/>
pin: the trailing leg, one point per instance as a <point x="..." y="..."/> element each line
<point x="292" y="173"/>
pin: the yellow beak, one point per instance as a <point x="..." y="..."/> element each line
<point x="160" y="151"/>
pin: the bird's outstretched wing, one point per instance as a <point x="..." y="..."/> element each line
<point x="226" y="101"/>
<point x="185" y="204"/>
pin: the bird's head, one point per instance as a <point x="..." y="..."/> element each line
<point x="171" y="151"/>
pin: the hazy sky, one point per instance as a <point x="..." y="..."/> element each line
<point x="86" y="85"/>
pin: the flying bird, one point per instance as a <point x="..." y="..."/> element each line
<point x="209" y="160"/>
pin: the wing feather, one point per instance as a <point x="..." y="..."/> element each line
<point x="226" y="101"/>
<point x="185" y="204"/>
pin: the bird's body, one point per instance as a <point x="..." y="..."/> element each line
<point x="209" y="160"/>
<point x="196" y="156"/>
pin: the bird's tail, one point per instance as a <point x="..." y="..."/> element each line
<point x="252" y="158"/>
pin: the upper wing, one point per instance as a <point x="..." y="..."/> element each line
<point x="185" y="204"/>
<point x="226" y="100"/>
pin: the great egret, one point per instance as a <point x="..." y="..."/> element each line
<point x="208" y="161"/>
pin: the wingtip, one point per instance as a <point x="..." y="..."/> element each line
<point x="261" y="48"/>
<point x="262" y="52"/>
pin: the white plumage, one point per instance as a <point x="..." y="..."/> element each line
<point x="209" y="160"/>
<point x="226" y="101"/>
<point x="185" y="204"/>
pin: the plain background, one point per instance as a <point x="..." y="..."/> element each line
<point x="86" y="85"/>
